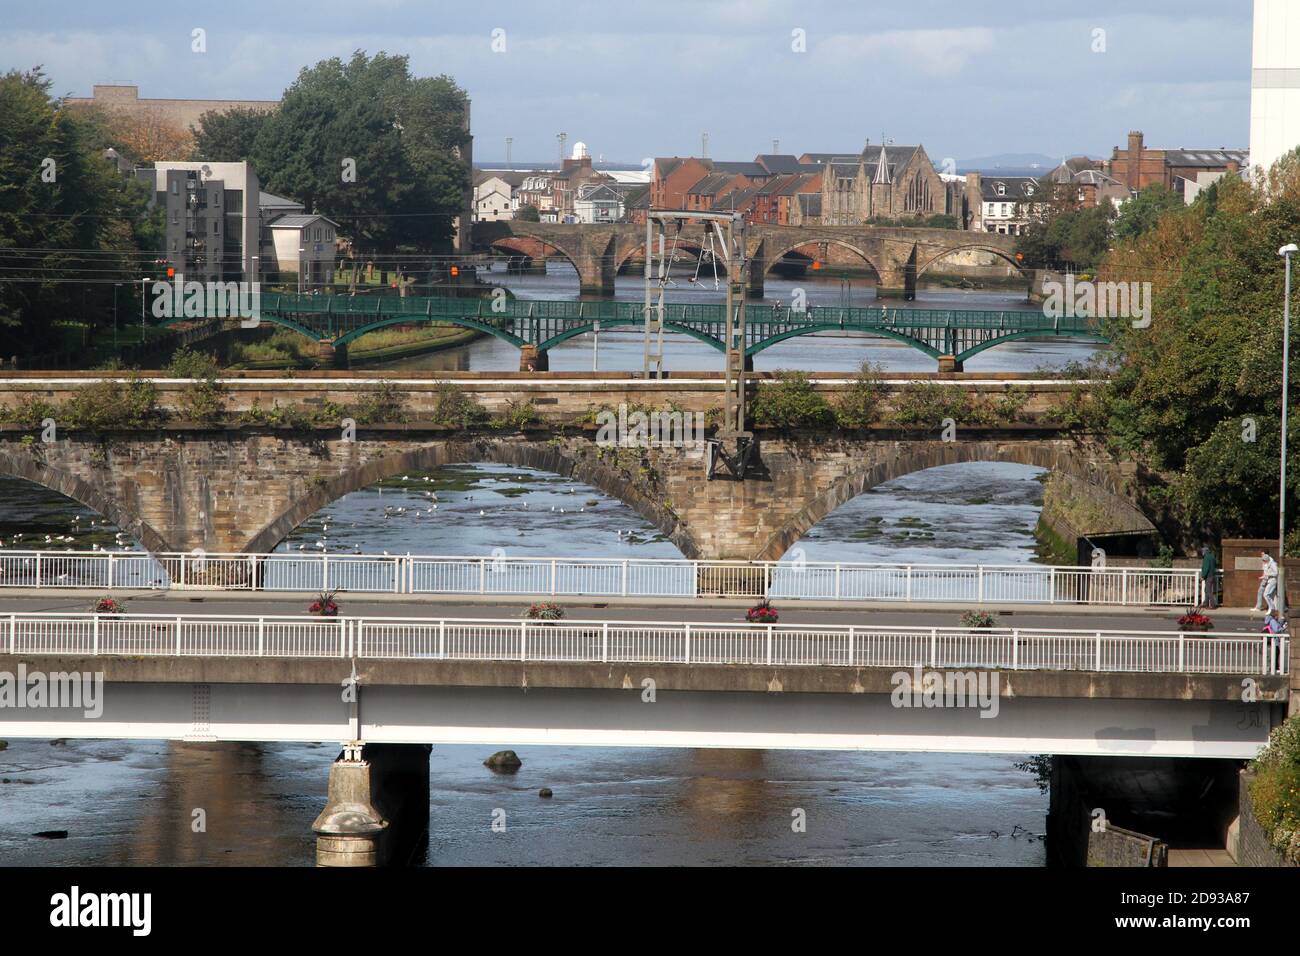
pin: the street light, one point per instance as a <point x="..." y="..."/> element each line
<point x="1286" y="252"/>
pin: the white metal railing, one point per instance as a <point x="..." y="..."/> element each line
<point x="603" y="577"/>
<point x="188" y="635"/>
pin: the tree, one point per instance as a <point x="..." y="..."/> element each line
<point x="70" y="222"/>
<point x="228" y="137"/>
<point x="1140" y="214"/>
<point x="364" y="142"/>
<point x="1196" y="395"/>
<point x="146" y="137"/>
<point x="528" y="213"/>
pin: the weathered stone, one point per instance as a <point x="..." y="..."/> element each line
<point x="504" y="761"/>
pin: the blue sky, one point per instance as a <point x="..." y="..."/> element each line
<point x="966" y="79"/>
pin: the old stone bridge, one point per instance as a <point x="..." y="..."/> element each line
<point x="240" y="486"/>
<point x="898" y="255"/>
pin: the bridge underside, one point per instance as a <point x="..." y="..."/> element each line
<point x="605" y="717"/>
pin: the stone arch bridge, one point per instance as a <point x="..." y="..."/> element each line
<point x="898" y="255"/>
<point x="244" y="488"/>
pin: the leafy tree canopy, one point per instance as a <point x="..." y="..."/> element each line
<point x="364" y="142"/>
<point x="1197" y="394"/>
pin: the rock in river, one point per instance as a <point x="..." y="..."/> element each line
<point x="504" y="761"/>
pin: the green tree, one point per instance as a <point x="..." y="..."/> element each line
<point x="528" y="213"/>
<point x="363" y="141"/>
<point x="1140" y="214"/>
<point x="70" y="222"/>
<point x="1196" y="395"/>
<point x="229" y="136"/>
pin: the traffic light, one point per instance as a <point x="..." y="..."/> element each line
<point x="455" y="271"/>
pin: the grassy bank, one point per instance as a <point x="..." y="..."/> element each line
<point x="286" y="349"/>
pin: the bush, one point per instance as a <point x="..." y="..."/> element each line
<point x="453" y="407"/>
<point x="859" y="404"/>
<point x="112" y="404"/>
<point x="384" y="403"/>
<point x="203" y="399"/>
<point x="790" y="402"/>
<point x="1275" y="791"/>
<point x="924" y="405"/>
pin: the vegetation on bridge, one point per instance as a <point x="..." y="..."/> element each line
<point x="791" y="402"/>
<point x="1275" y="790"/>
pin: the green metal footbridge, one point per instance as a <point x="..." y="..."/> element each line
<point x="541" y="324"/>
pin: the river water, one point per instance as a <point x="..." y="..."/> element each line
<point x="134" y="802"/>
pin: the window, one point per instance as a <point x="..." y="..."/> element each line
<point x="176" y="187"/>
<point x="216" y="227"/>
<point x="1002" y="189"/>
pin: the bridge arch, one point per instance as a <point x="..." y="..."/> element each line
<point x="1052" y="456"/>
<point x="538" y="455"/>
<point x="29" y="468"/>
<point x="976" y="246"/>
<point x="780" y="248"/>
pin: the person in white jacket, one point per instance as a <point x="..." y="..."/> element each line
<point x="1267" y="593"/>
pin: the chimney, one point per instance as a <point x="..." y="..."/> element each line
<point x="1133" y="168"/>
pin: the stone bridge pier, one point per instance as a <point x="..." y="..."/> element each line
<point x="246" y="490"/>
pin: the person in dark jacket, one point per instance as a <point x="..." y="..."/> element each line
<point x="1210" y="575"/>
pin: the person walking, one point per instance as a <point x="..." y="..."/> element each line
<point x="1267" y="593"/>
<point x="1210" y="577"/>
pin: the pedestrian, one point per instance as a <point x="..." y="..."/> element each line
<point x="1267" y="593"/>
<point x="1210" y="577"/>
<point x="1274" y="627"/>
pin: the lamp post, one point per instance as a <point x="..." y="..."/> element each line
<point x="1286" y="252"/>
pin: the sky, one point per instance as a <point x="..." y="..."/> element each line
<point x="965" y="79"/>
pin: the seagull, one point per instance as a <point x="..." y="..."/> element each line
<point x="482" y="513"/>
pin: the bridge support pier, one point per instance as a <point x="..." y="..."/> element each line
<point x="329" y="355"/>
<point x="949" y="363"/>
<point x="377" y="808"/>
<point x="533" y="360"/>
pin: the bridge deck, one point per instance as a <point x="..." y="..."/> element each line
<point x="545" y="324"/>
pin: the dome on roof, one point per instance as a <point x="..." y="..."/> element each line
<point x="580" y="150"/>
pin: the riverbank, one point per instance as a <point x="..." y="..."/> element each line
<point x="285" y="349"/>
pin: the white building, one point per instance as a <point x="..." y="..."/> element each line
<point x="597" y="202"/>
<point x="1275" y="82"/>
<point x="303" y="244"/>
<point x="494" y="196"/>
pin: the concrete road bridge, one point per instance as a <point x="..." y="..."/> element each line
<point x="898" y="255"/>
<point x="244" y="484"/>
<point x="416" y="682"/>
<point x="950" y="336"/>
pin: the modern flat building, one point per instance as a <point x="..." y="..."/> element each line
<point x="1275" y="82"/>
<point x="212" y="218"/>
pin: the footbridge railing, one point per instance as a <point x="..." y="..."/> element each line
<point x="468" y="639"/>
<point x="601" y="577"/>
